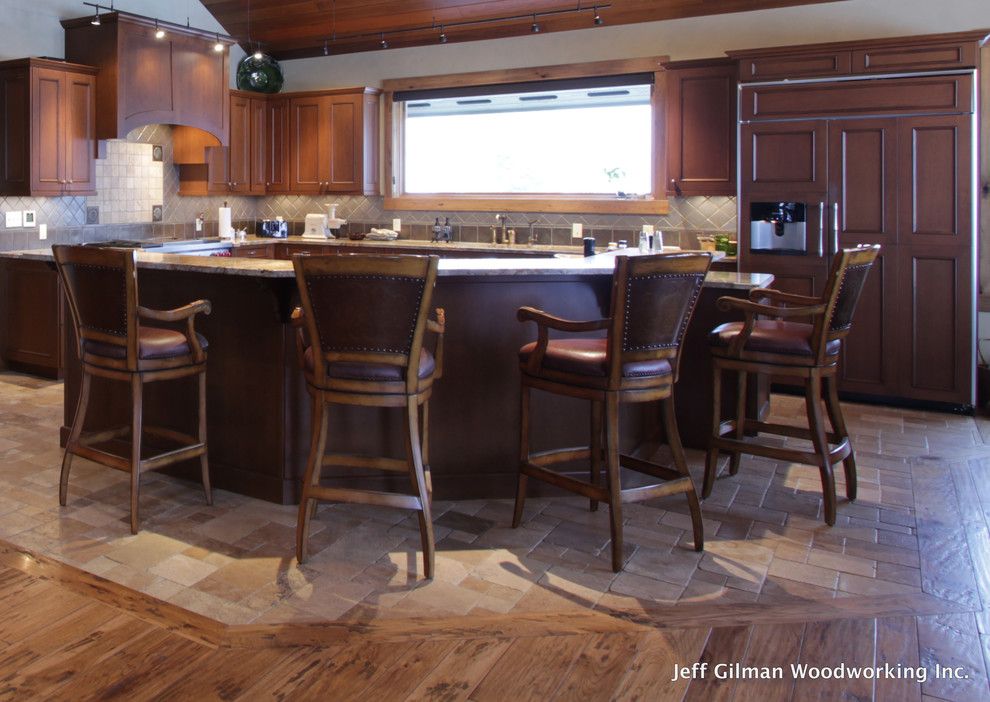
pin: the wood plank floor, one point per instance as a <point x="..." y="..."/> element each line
<point x="891" y="604"/>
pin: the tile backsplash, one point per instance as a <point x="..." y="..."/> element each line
<point x="130" y="183"/>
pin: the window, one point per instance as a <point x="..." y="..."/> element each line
<point x="584" y="143"/>
<point x="577" y="141"/>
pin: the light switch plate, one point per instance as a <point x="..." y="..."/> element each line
<point x="30" y="218"/>
<point x="577" y="230"/>
<point x="13" y="219"/>
<point x="42" y="231"/>
<point x="396" y="225"/>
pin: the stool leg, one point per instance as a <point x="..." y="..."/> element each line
<point x="522" y="478"/>
<point x="612" y="473"/>
<point x="425" y="433"/>
<point x="711" y="460"/>
<point x="816" y="423"/>
<point x="842" y="434"/>
<point x="740" y="420"/>
<point x="82" y="405"/>
<point x="596" y="448"/>
<point x="414" y="452"/>
<point x="137" y="429"/>
<point x="314" y="465"/>
<point x="204" y="461"/>
<point x="680" y="463"/>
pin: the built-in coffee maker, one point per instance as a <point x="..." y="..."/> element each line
<point x="778" y="227"/>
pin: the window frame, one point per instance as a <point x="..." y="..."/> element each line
<point x="394" y="120"/>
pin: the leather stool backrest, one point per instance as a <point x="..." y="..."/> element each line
<point x="653" y="299"/>
<point x="841" y="295"/>
<point x="366" y="309"/>
<point x="101" y="288"/>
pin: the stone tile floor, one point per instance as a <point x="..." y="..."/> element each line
<point x="235" y="561"/>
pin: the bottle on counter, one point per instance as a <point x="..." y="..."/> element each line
<point x="658" y="241"/>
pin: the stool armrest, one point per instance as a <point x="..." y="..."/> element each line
<point x="298" y="321"/>
<point x="186" y="313"/>
<point x="542" y="319"/>
<point x="178" y="314"/>
<point x="782" y="297"/>
<point x="438" y="327"/>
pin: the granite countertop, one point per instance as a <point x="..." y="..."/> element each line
<point x="601" y="264"/>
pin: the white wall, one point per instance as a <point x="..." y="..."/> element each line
<point x="696" y="37"/>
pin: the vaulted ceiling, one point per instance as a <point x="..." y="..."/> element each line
<point x="301" y="28"/>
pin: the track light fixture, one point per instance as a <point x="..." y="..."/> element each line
<point x="443" y="35"/>
<point x="160" y="27"/>
<point x="218" y="47"/>
<point x="534" y="28"/>
<point x="159" y="32"/>
<point x="383" y="44"/>
<point x="598" y="18"/>
<point x="326" y="47"/>
<point x="96" y="19"/>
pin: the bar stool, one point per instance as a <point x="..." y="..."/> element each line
<point x="114" y="342"/>
<point x="809" y="351"/>
<point x="360" y="335"/>
<point x="653" y="298"/>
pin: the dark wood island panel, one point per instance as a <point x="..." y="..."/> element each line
<point x="259" y="410"/>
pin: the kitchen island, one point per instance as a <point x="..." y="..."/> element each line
<point x="258" y="407"/>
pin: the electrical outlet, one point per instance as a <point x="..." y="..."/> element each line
<point x="30" y="218"/>
<point x="13" y="219"/>
<point x="396" y="225"/>
<point x="42" y="231"/>
<point x="577" y="230"/>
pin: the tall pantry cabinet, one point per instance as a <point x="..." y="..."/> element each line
<point x="879" y="155"/>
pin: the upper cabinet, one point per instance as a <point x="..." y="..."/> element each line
<point x="333" y="142"/>
<point x="47" y="145"/>
<point x="935" y="52"/>
<point x="177" y="79"/>
<point x="701" y="127"/>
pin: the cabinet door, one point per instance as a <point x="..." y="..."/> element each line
<point x="257" y="165"/>
<point x="701" y="130"/>
<point x="217" y="174"/>
<point x="308" y="138"/>
<point x="346" y="137"/>
<point x="935" y="181"/>
<point x="239" y="152"/>
<point x="784" y="155"/>
<point x="277" y="146"/>
<point x="48" y="131"/>
<point x="937" y="309"/>
<point x="871" y="352"/>
<point x="15" y="146"/>
<point x="80" y="133"/>
<point x="862" y="182"/>
<point x="33" y="318"/>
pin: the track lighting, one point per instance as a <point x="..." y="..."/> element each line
<point x="443" y="35"/>
<point x="598" y="18"/>
<point x="326" y="47"/>
<point x="218" y="47"/>
<point x="159" y="32"/>
<point x="534" y="28"/>
<point x="96" y="18"/>
<point x="383" y="44"/>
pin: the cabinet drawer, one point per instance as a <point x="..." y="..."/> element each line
<point x="894" y="59"/>
<point x="259" y="251"/>
<point x="829" y="63"/>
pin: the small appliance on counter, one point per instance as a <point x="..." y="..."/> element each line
<point x="778" y="227"/>
<point x="323" y="226"/>
<point x="274" y="228"/>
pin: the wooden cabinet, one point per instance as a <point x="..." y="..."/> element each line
<point x="779" y="156"/>
<point x="254" y="251"/>
<point x="701" y="127"/>
<point x="933" y="52"/>
<point x="178" y="79"/>
<point x="333" y="142"/>
<point x="276" y="158"/>
<point x="47" y="145"/>
<point x="246" y="153"/>
<point x="31" y="309"/>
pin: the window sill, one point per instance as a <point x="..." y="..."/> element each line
<point x="527" y="203"/>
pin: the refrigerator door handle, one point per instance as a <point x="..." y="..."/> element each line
<point x="821" y="229"/>
<point x="835" y="227"/>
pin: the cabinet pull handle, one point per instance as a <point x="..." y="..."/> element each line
<point x="821" y="228"/>
<point x="835" y="227"/>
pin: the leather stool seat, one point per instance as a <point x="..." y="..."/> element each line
<point x="772" y="336"/>
<point x="153" y="343"/>
<point x="373" y="372"/>
<point x="587" y="357"/>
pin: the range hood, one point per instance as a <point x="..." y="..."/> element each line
<point x="175" y="79"/>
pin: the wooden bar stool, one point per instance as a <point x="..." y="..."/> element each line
<point x="653" y="298"/>
<point x="360" y="337"/>
<point x="115" y="342"/>
<point x="809" y="351"/>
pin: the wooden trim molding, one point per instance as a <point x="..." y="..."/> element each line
<point x="511" y="203"/>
